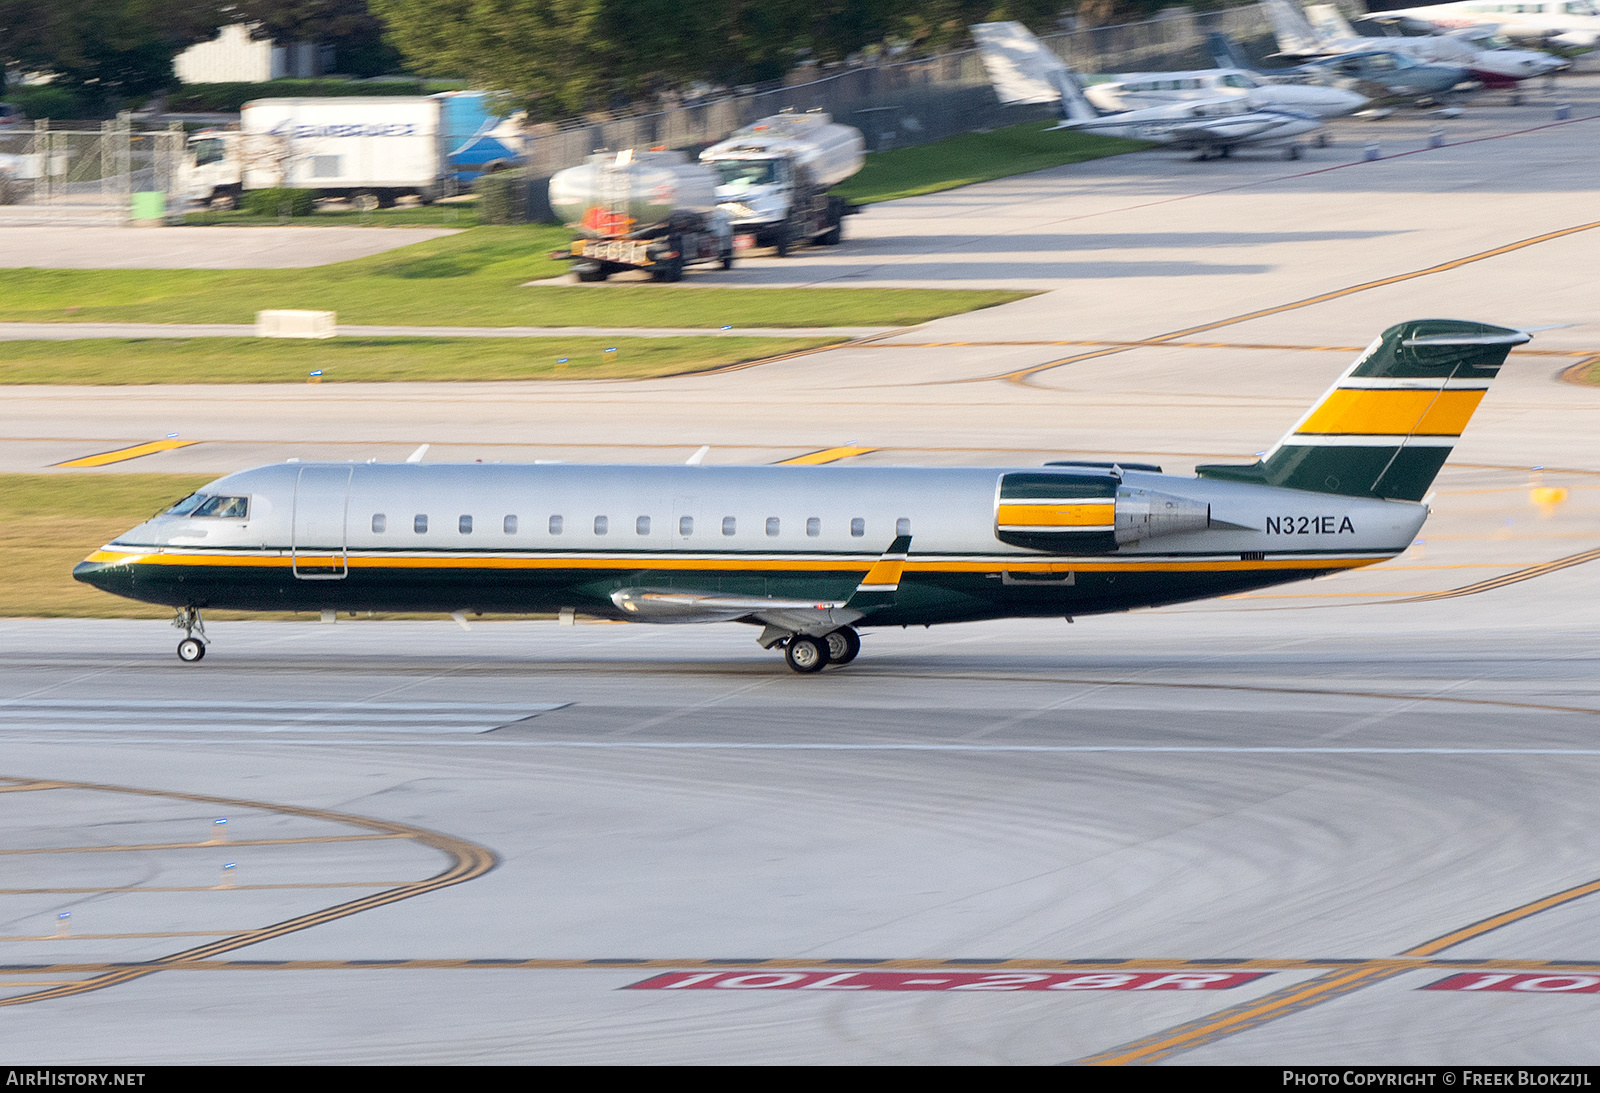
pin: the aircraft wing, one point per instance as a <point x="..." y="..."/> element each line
<point x="877" y="589"/>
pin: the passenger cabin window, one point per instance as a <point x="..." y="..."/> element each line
<point x="686" y="525"/>
<point x="729" y="525"/>
<point x="464" y="525"/>
<point x="555" y="525"/>
<point x="419" y="523"/>
<point x="235" y="508"/>
<point x="813" y="526"/>
<point x="772" y="525"/>
<point x="902" y="526"/>
<point x="641" y="526"/>
<point x="601" y="525"/>
<point x="380" y="522"/>
<point x="509" y="525"/>
<point x="858" y="527"/>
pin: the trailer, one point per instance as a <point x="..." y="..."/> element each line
<point x="372" y="150"/>
<point x="654" y="211"/>
<point x="775" y="176"/>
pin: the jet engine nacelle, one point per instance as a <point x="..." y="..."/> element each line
<point x="1088" y="513"/>
<point x="1146" y="514"/>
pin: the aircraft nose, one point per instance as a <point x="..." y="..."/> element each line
<point x="108" y="576"/>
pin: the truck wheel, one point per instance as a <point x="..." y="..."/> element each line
<point x="364" y="201"/>
<point x="835" y="233"/>
<point x="591" y="274"/>
<point x="225" y="198"/>
<point x="726" y="258"/>
<point x="387" y="199"/>
<point x="784" y="241"/>
<point x="670" y="270"/>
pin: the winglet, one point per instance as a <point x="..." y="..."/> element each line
<point x="882" y="581"/>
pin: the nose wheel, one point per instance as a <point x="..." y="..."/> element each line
<point x="193" y="646"/>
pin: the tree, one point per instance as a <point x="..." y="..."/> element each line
<point x="349" y="26"/>
<point x="122" y="47"/>
<point x="549" y="55"/>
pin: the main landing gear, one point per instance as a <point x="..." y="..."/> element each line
<point x="191" y="648"/>
<point x="806" y="654"/>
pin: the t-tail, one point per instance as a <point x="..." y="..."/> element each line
<point x="1025" y="70"/>
<point x="1291" y="27"/>
<point x="1329" y="22"/>
<point x="1227" y="53"/>
<point x="1389" y="423"/>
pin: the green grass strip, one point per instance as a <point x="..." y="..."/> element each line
<point x="115" y="361"/>
<point x="977" y="157"/>
<point x="474" y="278"/>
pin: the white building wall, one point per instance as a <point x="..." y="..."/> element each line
<point x="230" y="57"/>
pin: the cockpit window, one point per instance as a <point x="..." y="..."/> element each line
<point x="187" y="505"/>
<point x="236" y="508"/>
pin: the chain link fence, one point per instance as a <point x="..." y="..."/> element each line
<point x="906" y="103"/>
<point x="85" y="176"/>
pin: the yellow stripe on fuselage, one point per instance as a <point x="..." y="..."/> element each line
<point x="1393" y="413"/>
<point x="1056" y="514"/>
<point x="758" y="565"/>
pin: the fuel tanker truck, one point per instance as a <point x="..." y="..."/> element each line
<point x="652" y="211"/>
<point x="775" y="176"/>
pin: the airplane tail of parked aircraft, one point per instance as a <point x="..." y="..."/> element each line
<point x="1227" y="53"/>
<point x="1025" y="70"/>
<point x="1289" y="24"/>
<point x="1388" y="424"/>
<point x="1329" y="22"/>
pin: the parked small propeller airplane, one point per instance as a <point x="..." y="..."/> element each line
<point x="1563" y="24"/>
<point x="1320" y="30"/>
<point x="1143" y="90"/>
<point x="1379" y="74"/>
<point x="811" y="554"/>
<point x="1024" y="70"/>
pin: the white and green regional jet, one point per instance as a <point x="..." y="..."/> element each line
<point x="811" y="555"/>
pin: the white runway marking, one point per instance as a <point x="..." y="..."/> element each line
<point x="201" y="715"/>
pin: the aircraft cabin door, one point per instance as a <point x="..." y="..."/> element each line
<point x="318" y="550"/>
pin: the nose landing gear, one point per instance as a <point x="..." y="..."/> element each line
<point x="191" y="648"/>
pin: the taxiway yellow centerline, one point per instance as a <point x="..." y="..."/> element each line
<point x="1024" y="375"/>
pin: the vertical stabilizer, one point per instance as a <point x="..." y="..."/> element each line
<point x="1329" y="22"/>
<point x="1227" y="53"/>
<point x="1290" y="26"/>
<point x="1025" y="70"/>
<point x="1389" y="423"/>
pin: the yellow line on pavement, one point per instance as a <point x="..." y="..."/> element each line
<point x="1024" y="375"/>
<point x="123" y="454"/>
<point x="194" y="845"/>
<point x="826" y="455"/>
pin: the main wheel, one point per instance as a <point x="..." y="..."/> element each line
<point x="191" y="650"/>
<point x="843" y="645"/>
<point x="806" y="655"/>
